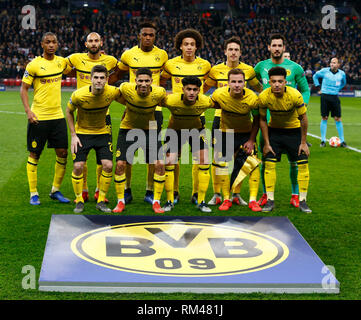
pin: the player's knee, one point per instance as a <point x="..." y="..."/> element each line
<point x="78" y="168"/>
<point x="34" y="155"/>
<point x="337" y="119"/>
<point x="107" y="166"/>
<point x="120" y="167"/>
<point x="62" y="153"/>
<point x="159" y="168"/>
<point x="325" y="118"/>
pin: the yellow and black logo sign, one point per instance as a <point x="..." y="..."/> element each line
<point x="180" y="249"/>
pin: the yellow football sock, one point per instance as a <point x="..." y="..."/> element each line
<point x="195" y="180"/>
<point x="128" y="174"/>
<point x="98" y="173"/>
<point x="77" y="182"/>
<point x="270" y="177"/>
<point x="150" y="176"/>
<point x="158" y="186"/>
<point x="303" y="178"/>
<point x="253" y="182"/>
<point x="104" y="184"/>
<point x="32" y="172"/>
<point x="176" y="177"/>
<point x="60" y="166"/>
<point x="203" y="178"/>
<point x="169" y="182"/>
<point x="215" y="179"/>
<point x="119" y="181"/>
<point x="222" y="178"/>
<point x="85" y="177"/>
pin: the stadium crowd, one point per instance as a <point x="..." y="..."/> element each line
<point x="309" y="44"/>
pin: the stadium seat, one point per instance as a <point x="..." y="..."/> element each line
<point x="68" y="82"/>
<point x="6" y="82"/>
<point x="73" y="82"/>
<point x="18" y="82"/>
<point x="12" y="82"/>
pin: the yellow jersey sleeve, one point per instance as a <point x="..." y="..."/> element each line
<point x="45" y="76"/>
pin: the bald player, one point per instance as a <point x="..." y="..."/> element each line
<point x="82" y="64"/>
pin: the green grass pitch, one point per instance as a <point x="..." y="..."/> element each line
<point x="332" y="230"/>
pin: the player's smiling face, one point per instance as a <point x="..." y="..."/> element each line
<point x="188" y="47"/>
<point x="93" y="43"/>
<point x="147" y="37"/>
<point x="277" y="84"/>
<point x="236" y="83"/>
<point x="190" y="92"/>
<point x="50" y="44"/>
<point x="233" y="52"/>
<point x="276" y="48"/>
<point x="143" y="82"/>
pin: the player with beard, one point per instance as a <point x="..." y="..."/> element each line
<point x="82" y="64"/>
<point x="295" y="78"/>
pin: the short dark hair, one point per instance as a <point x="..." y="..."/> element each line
<point x="99" y="68"/>
<point x="144" y="71"/>
<point x="188" y="33"/>
<point x="191" y="80"/>
<point x="231" y="40"/>
<point x="48" y="34"/>
<point x="277" y="71"/>
<point x="236" y="71"/>
<point x="277" y="36"/>
<point x="147" y="24"/>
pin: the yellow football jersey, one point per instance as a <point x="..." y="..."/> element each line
<point x="177" y="68"/>
<point x="285" y="110"/>
<point x="236" y="113"/>
<point x="140" y="110"/>
<point x="136" y="58"/>
<point x="92" y="109"/>
<point x="83" y="65"/>
<point x="185" y="116"/>
<point x="45" y="76"/>
<point x="218" y="77"/>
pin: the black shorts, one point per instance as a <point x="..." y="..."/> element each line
<point x="52" y="131"/>
<point x="215" y="126"/>
<point x="228" y="143"/>
<point x="130" y="140"/>
<point x="158" y="115"/>
<point x="108" y="123"/>
<point x="330" y="103"/>
<point x="285" y="141"/>
<point x="175" y="139"/>
<point x="101" y="143"/>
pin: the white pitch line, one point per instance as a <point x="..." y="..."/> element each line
<point x="348" y="147"/>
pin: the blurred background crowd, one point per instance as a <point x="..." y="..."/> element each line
<point x="117" y="21"/>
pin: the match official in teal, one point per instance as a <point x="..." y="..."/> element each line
<point x="333" y="80"/>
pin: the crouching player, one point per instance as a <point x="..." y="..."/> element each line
<point x="286" y="132"/>
<point x="138" y="129"/>
<point x="90" y="132"/>
<point x="185" y="125"/>
<point x="239" y="105"/>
